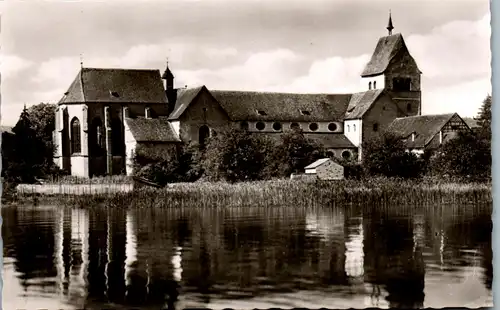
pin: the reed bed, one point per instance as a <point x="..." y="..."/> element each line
<point x="370" y="192"/>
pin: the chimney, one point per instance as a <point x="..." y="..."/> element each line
<point x="147" y="112"/>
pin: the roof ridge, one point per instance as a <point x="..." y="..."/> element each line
<point x="117" y="69"/>
<point x="278" y="93"/>
<point x="415" y="116"/>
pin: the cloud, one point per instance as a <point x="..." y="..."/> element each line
<point x="456" y="50"/>
<point x="11" y="65"/>
<point x="259" y="71"/>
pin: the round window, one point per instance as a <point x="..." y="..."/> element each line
<point x="332" y="126"/>
<point x="329" y="154"/>
<point x="260" y="126"/>
<point x="313" y="126"/>
<point x="244" y="125"/>
<point x="294" y="126"/>
<point x="346" y="154"/>
<point x="277" y="126"/>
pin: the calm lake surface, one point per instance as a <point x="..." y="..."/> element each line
<point x="245" y="258"/>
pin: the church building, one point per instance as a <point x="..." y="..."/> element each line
<point x="107" y="113"/>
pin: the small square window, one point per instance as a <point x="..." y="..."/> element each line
<point x="305" y="112"/>
<point x="260" y="112"/>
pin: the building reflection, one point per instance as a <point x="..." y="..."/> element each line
<point x="392" y="261"/>
<point x="79" y="224"/>
<point x="354" y="259"/>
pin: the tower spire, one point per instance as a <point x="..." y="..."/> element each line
<point x="389" y="25"/>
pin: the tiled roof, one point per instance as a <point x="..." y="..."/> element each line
<point x="360" y="103"/>
<point x="330" y="140"/>
<point x="116" y="85"/>
<point x="152" y="130"/>
<point x="387" y="47"/>
<point x="425" y="128"/>
<point x="317" y="163"/>
<point x="184" y="98"/>
<point x="247" y="105"/>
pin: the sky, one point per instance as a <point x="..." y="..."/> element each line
<point x="314" y="46"/>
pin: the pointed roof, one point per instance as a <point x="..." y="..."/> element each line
<point x="390" y="27"/>
<point x="387" y="47"/>
<point x="99" y="85"/>
<point x="425" y="127"/>
<point x="167" y="74"/>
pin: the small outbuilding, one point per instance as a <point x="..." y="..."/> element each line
<point x="325" y="169"/>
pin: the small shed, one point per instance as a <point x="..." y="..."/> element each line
<point x="325" y="169"/>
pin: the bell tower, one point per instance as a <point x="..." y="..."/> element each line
<point x="393" y="69"/>
<point x="170" y="91"/>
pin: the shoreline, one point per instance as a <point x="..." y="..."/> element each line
<point x="280" y="192"/>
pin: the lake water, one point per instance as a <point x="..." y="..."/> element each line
<point x="245" y="258"/>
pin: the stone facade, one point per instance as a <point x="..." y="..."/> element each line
<point x="119" y="109"/>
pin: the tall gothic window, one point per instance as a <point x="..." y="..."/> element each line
<point x="75" y="136"/>
<point x="204" y="134"/>
<point x="97" y="137"/>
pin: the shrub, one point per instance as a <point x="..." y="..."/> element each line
<point x="387" y="156"/>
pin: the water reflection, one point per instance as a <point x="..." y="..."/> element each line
<point x="275" y="257"/>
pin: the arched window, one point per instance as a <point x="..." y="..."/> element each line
<point x="370" y="85"/>
<point x="117" y="139"/>
<point x="408" y="107"/>
<point x="204" y="134"/>
<point x="75" y="136"/>
<point x="375" y="127"/>
<point x="374" y="84"/>
<point x="348" y="128"/>
<point x="354" y="128"/>
<point x="96" y="137"/>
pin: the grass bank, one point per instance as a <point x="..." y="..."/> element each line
<point x="390" y="192"/>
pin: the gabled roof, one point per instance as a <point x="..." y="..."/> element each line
<point x="184" y="98"/>
<point x="152" y="129"/>
<point x="425" y="128"/>
<point x="317" y="163"/>
<point x="330" y="140"/>
<point x="116" y="85"/>
<point x="360" y="103"/>
<point x="248" y="105"/>
<point x="387" y="47"/>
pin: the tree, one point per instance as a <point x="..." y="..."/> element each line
<point x="484" y="118"/>
<point x="293" y="153"/>
<point x="235" y="155"/>
<point x="466" y="156"/>
<point x="387" y="155"/>
<point x="24" y="152"/>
